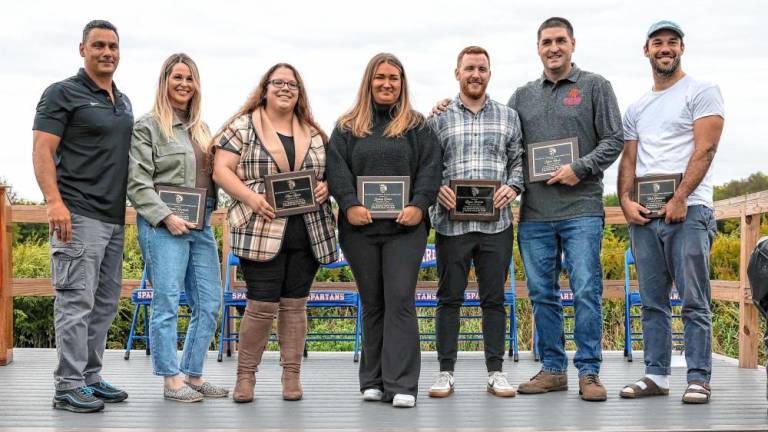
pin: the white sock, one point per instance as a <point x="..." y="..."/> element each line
<point x="660" y="380"/>
<point x="696" y="395"/>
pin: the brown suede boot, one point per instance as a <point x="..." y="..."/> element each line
<point x="591" y="389"/>
<point x="291" y="333"/>
<point x="255" y="328"/>
<point x="544" y="382"/>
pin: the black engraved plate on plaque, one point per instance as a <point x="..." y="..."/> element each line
<point x="292" y="192"/>
<point x="544" y="158"/>
<point x="384" y="196"/>
<point x="186" y="203"/>
<point x="653" y="192"/>
<point x="474" y="200"/>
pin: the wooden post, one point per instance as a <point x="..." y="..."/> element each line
<point x="6" y="293"/>
<point x="749" y="319"/>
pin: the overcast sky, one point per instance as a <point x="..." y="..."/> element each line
<point x="330" y="43"/>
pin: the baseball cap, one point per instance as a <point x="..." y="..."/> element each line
<point x="665" y="25"/>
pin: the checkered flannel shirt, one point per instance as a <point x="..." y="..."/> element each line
<point x="486" y="145"/>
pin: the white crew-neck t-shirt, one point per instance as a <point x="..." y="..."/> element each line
<point x="662" y="123"/>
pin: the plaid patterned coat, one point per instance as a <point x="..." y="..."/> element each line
<point x="252" y="236"/>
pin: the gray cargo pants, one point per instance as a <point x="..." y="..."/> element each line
<point x="86" y="274"/>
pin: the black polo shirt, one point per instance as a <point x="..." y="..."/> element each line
<point x="92" y="158"/>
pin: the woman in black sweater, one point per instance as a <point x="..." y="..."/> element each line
<point x="382" y="136"/>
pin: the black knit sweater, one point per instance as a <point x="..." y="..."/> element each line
<point x="416" y="154"/>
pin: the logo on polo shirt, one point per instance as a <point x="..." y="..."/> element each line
<point x="93" y="103"/>
<point x="573" y="98"/>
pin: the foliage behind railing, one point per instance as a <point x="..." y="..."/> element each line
<point x="33" y="311"/>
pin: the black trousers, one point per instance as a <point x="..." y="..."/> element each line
<point x="289" y="274"/>
<point x="491" y="254"/>
<point x="386" y="268"/>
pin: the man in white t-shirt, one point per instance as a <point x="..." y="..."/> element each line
<point x="672" y="129"/>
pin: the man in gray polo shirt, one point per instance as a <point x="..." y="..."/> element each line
<point x="561" y="219"/>
<point x="81" y="138"/>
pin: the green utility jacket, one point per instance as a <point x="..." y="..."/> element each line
<point x="158" y="160"/>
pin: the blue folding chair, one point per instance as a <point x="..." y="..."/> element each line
<point x="335" y="299"/>
<point x="230" y="299"/>
<point x="350" y="299"/>
<point x="317" y="299"/>
<point x="510" y="298"/>
<point x="428" y="299"/>
<point x="142" y="302"/>
<point x="632" y="299"/>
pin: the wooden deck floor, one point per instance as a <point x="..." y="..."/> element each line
<point x="333" y="402"/>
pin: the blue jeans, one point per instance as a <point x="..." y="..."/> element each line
<point x="578" y="241"/>
<point x="188" y="262"/>
<point x="679" y="253"/>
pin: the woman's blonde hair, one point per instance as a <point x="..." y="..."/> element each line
<point x="359" y="119"/>
<point x="258" y="99"/>
<point x="163" y="109"/>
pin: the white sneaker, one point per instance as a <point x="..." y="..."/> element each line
<point x="443" y="386"/>
<point x="373" y="395"/>
<point x="499" y="386"/>
<point x="404" y="401"/>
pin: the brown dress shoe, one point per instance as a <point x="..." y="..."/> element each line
<point x="292" y="333"/>
<point x="591" y="389"/>
<point x="255" y="328"/>
<point x="544" y="382"/>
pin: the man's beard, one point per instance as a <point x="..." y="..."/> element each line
<point x="666" y="71"/>
<point x="472" y="94"/>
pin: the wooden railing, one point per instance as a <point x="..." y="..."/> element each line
<point x="745" y="208"/>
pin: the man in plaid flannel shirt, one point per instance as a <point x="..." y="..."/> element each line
<point x="480" y="140"/>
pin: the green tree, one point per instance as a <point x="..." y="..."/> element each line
<point x="756" y="182"/>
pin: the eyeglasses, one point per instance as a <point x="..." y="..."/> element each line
<point x="292" y="85"/>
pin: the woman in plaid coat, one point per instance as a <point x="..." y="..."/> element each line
<point x="274" y="132"/>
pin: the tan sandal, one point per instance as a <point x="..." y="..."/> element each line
<point x="651" y="389"/>
<point x="688" y="396"/>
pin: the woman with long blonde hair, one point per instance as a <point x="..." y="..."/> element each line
<point x="274" y="132"/>
<point x="383" y="136"/>
<point x="169" y="148"/>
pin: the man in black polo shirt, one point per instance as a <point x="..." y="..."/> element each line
<point x="81" y="137"/>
